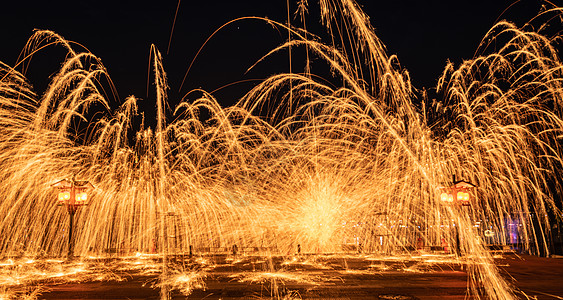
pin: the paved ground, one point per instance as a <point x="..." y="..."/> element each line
<point x="320" y="278"/>
<point x="535" y="276"/>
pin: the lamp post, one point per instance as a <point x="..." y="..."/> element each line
<point x="457" y="195"/>
<point x="72" y="195"/>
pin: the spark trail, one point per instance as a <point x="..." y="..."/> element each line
<point x="360" y="163"/>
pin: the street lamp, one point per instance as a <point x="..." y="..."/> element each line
<point x="457" y="195"/>
<point x="72" y="195"/>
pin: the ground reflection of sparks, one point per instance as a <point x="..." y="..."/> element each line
<point x="261" y="277"/>
<point x="276" y="282"/>
<point x="185" y="282"/>
<point x="17" y="276"/>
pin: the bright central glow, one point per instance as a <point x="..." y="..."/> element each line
<point x="319" y="217"/>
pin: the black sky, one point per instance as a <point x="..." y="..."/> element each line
<point x="424" y="35"/>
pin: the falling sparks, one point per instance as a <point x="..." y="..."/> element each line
<point x="357" y="165"/>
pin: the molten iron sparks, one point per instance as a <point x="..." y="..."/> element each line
<point x="356" y="166"/>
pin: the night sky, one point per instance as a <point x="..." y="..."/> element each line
<point x="424" y="34"/>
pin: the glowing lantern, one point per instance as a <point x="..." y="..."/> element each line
<point x="72" y="194"/>
<point x="81" y="198"/>
<point x="64" y="197"/>
<point x="459" y="192"/>
<point x="462" y="196"/>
